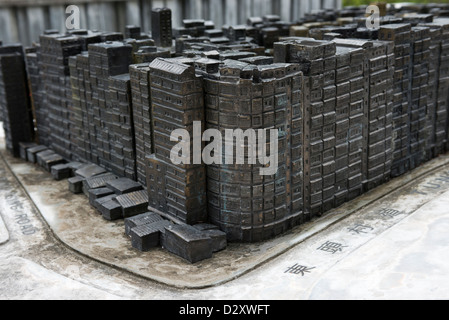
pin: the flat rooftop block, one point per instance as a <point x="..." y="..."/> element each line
<point x="95" y="194"/>
<point x="99" y="181"/>
<point x="100" y="201"/>
<point x="76" y="185"/>
<point x="133" y="203"/>
<point x="111" y="210"/>
<point x="32" y="152"/>
<point x="49" y="159"/>
<point x="187" y="242"/>
<point x="61" y="172"/>
<point x="141" y="219"/>
<point x="148" y="236"/>
<point x="89" y="171"/>
<point x="124" y="185"/>
<point x="24" y="146"/>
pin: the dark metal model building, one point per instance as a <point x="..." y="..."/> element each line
<point x="400" y="34"/>
<point x="178" y="191"/>
<point x="15" y="106"/>
<point x="106" y="60"/>
<point x="352" y="107"/>
<point x="438" y="84"/>
<point x="161" y="27"/>
<point x="141" y="99"/>
<point x="247" y="205"/>
<point x="82" y="110"/>
<point x="55" y="50"/>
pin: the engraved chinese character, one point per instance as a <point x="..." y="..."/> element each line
<point x="389" y="213"/>
<point x="298" y="269"/>
<point x="332" y="247"/>
<point x="359" y="229"/>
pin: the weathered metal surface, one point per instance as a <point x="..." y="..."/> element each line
<point x="141" y="96"/>
<point x="48" y="160"/>
<point x="141" y="219"/>
<point x="246" y="205"/>
<point x="147" y="236"/>
<point x="89" y="170"/>
<point x="76" y="185"/>
<point x="99" y="181"/>
<point x="113" y="130"/>
<point x="176" y="102"/>
<point x="161" y="27"/>
<point x="53" y="64"/>
<point x="219" y="240"/>
<point x="61" y="172"/>
<point x="133" y="203"/>
<point x="123" y="185"/>
<point x="95" y="194"/>
<point x="24" y="146"/>
<point x="33" y="151"/>
<point x="65" y="170"/>
<point x="401" y="35"/>
<point x="188" y="243"/>
<point x="111" y="210"/>
<point x="15" y="106"/>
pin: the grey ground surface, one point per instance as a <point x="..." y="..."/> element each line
<point x="391" y="243"/>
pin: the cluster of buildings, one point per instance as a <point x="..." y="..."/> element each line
<point x="352" y="107"/>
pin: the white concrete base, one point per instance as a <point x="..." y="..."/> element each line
<point x="4" y="234"/>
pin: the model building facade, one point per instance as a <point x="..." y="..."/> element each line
<point x="351" y="108"/>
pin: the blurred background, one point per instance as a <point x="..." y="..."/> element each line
<point x="24" y="20"/>
<point x="364" y="2"/>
